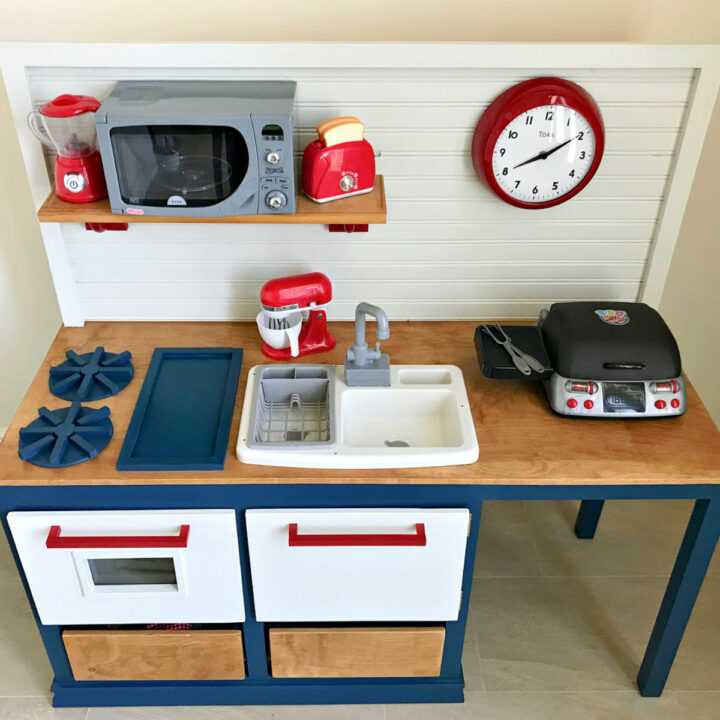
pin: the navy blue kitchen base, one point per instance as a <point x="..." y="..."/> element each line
<point x="247" y="692"/>
<point x="259" y="687"/>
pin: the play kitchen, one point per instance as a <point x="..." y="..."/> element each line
<point x="287" y="511"/>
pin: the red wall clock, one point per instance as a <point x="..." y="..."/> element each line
<point x="539" y="143"/>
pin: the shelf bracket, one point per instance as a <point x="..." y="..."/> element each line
<point x="102" y="227"/>
<point x="348" y="228"/>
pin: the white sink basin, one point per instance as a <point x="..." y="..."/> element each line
<point x="422" y="420"/>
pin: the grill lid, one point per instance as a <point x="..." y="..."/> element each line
<point x="610" y="341"/>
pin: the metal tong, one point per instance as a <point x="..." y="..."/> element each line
<point x="523" y="362"/>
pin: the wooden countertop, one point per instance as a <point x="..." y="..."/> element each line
<point x="522" y="442"/>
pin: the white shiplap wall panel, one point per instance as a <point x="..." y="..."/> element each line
<point x="346" y="273"/>
<point x="450" y="248"/>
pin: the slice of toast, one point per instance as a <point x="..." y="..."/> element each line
<point x="340" y="130"/>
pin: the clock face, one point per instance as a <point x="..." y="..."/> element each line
<point x="543" y="154"/>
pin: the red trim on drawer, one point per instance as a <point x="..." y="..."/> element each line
<point x="55" y="542"/>
<point x="295" y="539"/>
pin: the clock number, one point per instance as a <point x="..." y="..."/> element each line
<point x="572" y="173"/>
<point x="580" y="135"/>
<point x="529" y="120"/>
<point x="535" y="190"/>
<point x="568" y="122"/>
<point x="582" y="155"/>
<point x="505" y="171"/>
<point x="517" y="184"/>
<point x="555" y="185"/>
<point x="549" y="115"/>
<point x="512" y="134"/>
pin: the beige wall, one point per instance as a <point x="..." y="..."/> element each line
<point x="692" y="296"/>
<point x="691" y="300"/>
<point x="28" y="308"/>
<point x="665" y="21"/>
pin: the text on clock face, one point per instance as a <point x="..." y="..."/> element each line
<point x="543" y="153"/>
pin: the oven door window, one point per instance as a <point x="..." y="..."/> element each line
<point x="108" y="572"/>
<point x="178" y="165"/>
<point x="132" y="571"/>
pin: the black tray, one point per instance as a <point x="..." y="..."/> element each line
<point x="495" y="361"/>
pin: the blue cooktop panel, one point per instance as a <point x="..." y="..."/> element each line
<point x="91" y="376"/>
<point x="182" y="417"/>
<point x="65" y="436"/>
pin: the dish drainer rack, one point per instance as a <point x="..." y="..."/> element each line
<point x="293" y="406"/>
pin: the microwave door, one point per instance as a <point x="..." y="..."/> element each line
<point x="136" y="165"/>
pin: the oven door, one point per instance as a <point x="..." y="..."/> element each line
<point x="127" y="567"/>
<point x="178" y="165"/>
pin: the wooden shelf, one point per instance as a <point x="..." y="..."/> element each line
<point x="368" y="209"/>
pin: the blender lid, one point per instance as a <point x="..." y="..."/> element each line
<point x="69" y="106"/>
<point x="609" y="341"/>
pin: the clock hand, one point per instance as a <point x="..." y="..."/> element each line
<point x="545" y="153"/>
<point x="557" y="147"/>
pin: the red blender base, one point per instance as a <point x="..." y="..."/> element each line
<point x="314" y="338"/>
<point x="80" y="179"/>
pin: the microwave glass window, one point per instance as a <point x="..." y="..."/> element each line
<point x="178" y="165"/>
<point x="133" y="571"/>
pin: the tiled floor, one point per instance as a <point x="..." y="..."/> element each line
<point x="557" y="629"/>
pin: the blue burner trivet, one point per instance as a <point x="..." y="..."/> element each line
<point x="67" y="436"/>
<point x="91" y="376"/>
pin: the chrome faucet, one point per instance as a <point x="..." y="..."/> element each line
<point x="365" y="366"/>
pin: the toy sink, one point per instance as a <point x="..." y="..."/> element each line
<point x="306" y="416"/>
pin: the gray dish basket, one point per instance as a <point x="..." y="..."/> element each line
<point x="293" y="406"/>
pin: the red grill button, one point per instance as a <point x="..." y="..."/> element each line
<point x="589" y="404"/>
<point x="572" y="403"/>
<point x="675" y="403"/>
<point x="660" y="404"/>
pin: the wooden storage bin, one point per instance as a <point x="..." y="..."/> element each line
<point x="155" y="654"/>
<point x="356" y="652"/>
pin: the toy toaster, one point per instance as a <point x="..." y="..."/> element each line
<point x="339" y="163"/>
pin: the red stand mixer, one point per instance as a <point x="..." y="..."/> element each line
<point x="287" y="303"/>
<point x="67" y="126"/>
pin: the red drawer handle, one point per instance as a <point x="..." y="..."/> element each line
<point x="297" y="540"/>
<point x="55" y="542"/>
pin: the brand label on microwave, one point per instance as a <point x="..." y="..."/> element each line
<point x="176" y="200"/>
<point x="135" y="211"/>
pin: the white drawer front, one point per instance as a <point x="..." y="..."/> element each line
<point x="397" y="577"/>
<point x="90" y="567"/>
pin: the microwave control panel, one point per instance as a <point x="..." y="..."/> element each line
<point x="274" y="143"/>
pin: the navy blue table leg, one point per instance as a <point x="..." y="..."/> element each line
<point x="587" y="519"/>
<point x="686" y="579"/>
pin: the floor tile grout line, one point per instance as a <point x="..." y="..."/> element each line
<point x="551" y="577"/>
<point x="615" y="691"/>
<point x="680" y="712"/>
<point x="533" y="539"/>
<point x="476" y="643"/>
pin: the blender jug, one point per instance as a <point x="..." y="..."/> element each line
<point x="67" y="126"/>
